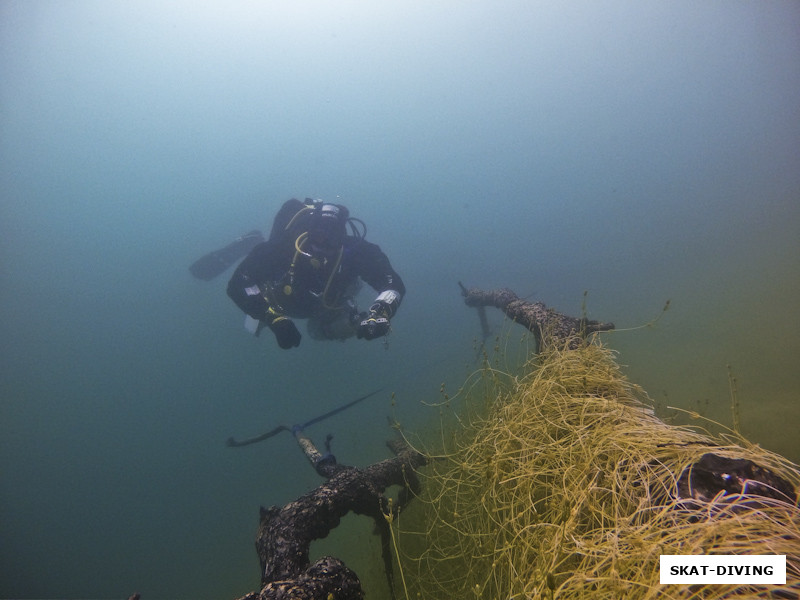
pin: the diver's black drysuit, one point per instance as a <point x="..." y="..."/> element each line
<point x="277" y="281"/>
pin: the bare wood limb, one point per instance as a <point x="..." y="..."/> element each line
<point x="285" y="534"/>
<point x="546" y="324"/>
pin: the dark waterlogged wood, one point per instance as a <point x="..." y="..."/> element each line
<point x="546" y="324"/>
<point x="721" y="478"/>
<point x="285" y="533"/>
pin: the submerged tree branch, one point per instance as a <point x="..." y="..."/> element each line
<point x="285" y="534"/>
<point x="546" y="324"/>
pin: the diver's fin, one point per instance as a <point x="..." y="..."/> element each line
<point x="212" y="264"/>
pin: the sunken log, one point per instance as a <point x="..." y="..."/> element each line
<point x="545" y="323"/>
<point x="285" y="534"/>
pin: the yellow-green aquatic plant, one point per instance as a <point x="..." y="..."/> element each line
<point x="562" y="483"/>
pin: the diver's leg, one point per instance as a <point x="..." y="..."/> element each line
<point x="334" y="324"/>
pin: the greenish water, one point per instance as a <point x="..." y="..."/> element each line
<point x="637" y="151"/>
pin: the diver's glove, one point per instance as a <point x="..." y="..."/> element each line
<point x="285" y="330"/>
<point x="375" y="323"/>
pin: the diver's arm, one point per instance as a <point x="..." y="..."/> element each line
<point x="376" y="270"/>
<point x="245" y="286"/>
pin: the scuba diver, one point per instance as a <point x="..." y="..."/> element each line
<point x="311" y="267"/>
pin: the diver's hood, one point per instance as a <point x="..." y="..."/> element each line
<point x="327" y="225"/>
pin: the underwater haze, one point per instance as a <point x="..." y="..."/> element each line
<point x="636" y="151"/>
